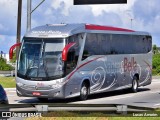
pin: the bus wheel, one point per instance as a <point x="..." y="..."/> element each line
<point x="43" y="99"/>
<point x="134" y="85"/>
<point x="84" y="91"/>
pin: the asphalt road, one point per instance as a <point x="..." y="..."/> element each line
<point x="148" y="96"/>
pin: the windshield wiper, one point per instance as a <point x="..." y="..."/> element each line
<point x="43" y="59"/>
<point x="31" y="67"/>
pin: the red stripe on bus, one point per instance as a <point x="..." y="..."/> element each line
<point x="82" y="66"/>
<point x="109" y="28"/>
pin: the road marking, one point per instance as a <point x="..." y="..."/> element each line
<point x="11" y="95"/>
<point x="11" y="91"/>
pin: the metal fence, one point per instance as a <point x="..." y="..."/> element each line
<point x="7" y="73"/>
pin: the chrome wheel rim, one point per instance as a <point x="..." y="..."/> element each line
<point x="84" y="91"/>
<point x="134" y="84"/>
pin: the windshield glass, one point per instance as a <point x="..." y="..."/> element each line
<point x="41" y="58"/>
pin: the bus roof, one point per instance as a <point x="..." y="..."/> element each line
<point x="65" y="30"/>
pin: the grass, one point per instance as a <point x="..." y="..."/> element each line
<point x="77" y="116"/>
<point x="8" y="82"/>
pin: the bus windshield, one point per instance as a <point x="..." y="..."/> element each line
<point x="40" y="59"/>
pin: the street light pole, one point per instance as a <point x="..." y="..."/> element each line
<point x="131" y="22"/>
<point x="29" y="7"/>
<point x="30" y="11"/>
<point x="19" y="25"/>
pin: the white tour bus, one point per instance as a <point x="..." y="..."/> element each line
<point x="68" y="60"/>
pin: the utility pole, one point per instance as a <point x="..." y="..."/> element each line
<point x="29" y="7"/>
<point x="131" y="23"/>
<point x="131" y="17"/>
<point x="19" y="25"/>
<point x="30" y="11"/>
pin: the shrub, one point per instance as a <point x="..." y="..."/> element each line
<point x="4" y="66"/>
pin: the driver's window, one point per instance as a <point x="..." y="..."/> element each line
<point x="73" y="53"/>
<point x="71" y="61"/>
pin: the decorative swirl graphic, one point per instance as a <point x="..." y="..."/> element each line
<point x="134" y="71"/>
<point x="113" y="83"/>
<point x="147" y="70"/>
<point x="98" y="77"/>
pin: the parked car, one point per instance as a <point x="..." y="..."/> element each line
<point x="3" y="96"/>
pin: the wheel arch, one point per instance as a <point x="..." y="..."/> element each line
<point x="137" y="76"/>
<point x="87" y="81"/>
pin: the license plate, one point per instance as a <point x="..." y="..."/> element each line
<point x="36" y="93"/>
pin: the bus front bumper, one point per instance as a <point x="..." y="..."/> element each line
<point x="52" y="93"/>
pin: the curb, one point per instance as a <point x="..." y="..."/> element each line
<point x="9" y="88"/>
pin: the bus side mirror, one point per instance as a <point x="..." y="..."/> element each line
<point x="12" y="48"/>
<point x="66" y="49"/>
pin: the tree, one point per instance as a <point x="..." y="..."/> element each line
<point x="155" y="49"/>
<point x="14" y="57"/>
<point x="1" y="53"/>
<point x="4" y="66"/>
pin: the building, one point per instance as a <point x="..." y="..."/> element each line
<point x="5" y="56"/>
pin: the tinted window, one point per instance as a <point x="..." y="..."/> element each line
<point x="103" y="44"/>
<point x="73" y="53"/>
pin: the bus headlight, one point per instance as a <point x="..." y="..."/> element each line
<point x="19" y="84"/>
<point x="56" y="86"/>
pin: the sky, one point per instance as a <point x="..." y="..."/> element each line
<point x="145" y="15"/>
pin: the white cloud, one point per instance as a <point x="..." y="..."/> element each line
<point x="8" y="14"/>
<point x="6" y="42"/>
<point x="65" y="3"/>
<point x="1" y="27"/>
<point x="146" y="16"/>
<point x="153" y="26"/>
<point x="116" y="8"/>
<point x="4" y="28"/>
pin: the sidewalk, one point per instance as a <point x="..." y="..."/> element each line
<point x="155" y="77"/>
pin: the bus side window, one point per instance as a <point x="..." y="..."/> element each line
<point x="85" y="54"/>
<point x="72" y="57"/>
<point x="71" y="61"/>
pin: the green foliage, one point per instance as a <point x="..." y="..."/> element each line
<point x="14" y="57"/>
<point x="4" y="66"/>
<point x="155" y="49"/>
<point x="156" y="64"/>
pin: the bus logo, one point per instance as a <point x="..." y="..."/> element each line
<point x="129" y="65"/>
<point x="40" y="84"/>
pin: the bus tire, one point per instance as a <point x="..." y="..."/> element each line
<point x="43" y="99"/>
<point x="134" y="87"/>
<point x="84" y="91"/>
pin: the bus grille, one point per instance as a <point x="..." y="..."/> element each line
<point x="29" y="87"/>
